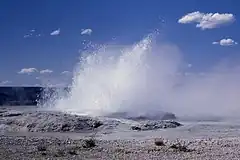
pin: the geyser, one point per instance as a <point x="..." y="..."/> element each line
<point x="105" y="83"/>
<point x="148" y="78"/>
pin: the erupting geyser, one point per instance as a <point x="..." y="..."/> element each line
<point x="105" y="84"/>
<point x="119" y="82"/>
<point x="146" y="79"/>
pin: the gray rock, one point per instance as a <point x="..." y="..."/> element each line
<point x="50" y="122"/>
<point x="2" y="111"/>
<point x="136" y="128"/>
<point x="140" y="117"/>
<point x="152" y="125"/>
<point x="10" y="114"/>
<point x="46" y="121"/>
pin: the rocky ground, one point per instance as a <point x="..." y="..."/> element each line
<point x="22" y="147"/>
<point x="46" y="121"/>
<point x="16" y="142"/>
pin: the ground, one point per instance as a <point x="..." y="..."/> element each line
<point x="52" y="135"/>
<point x="22" y="147"/>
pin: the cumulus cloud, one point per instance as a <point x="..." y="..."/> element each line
<point x="207" y="20"/>
<point x="5" y="82"/>
<point x="55" y="33"/>
<point x="27" y="70"/>
<point x="86" y="31"/>
<point x="226" y="42"/>
<point x="45" y="71"/>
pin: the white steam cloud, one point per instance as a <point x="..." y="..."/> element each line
<point x="145" y="78"/>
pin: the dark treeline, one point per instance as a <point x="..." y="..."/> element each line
<point x="11" y="96"/>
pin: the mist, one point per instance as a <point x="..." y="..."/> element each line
<point x="148" y="77"/>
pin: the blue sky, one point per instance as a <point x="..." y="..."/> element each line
<point x="127" y="21"/>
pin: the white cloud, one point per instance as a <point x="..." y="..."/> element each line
<point x="226" y="42"/>
<point x="207" y="20"/>
<point x="33" y="30"/>
<point x="65" y="72"/>
<point x="26" y="36"/>
<point x="55" y="33"/>
<point x="5" y="82"/>
<point x="27" y="70"/>
<point x="38" y="35"/>
<point x="215" y="42"/>
<point x="191" y="17"/>
<point x="45" y="71"/>
<point x="86" y="31"/>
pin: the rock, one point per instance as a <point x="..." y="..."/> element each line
<point x="142" y="117"/>
<point x="2" y="111"/>
<point x="136" y="128"/>
<point x="89" y="143"/>
<point x="97" y="124"/>
<point x="66" y="127"/>
<point x="50" y="122"/>
<point x="42" y="148"/>
<point x="152" y="125"/>
<point x="159" y="142"/>
<point x="11" y="114"/>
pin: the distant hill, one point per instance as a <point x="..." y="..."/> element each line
<point x="16" y="96"/>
